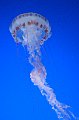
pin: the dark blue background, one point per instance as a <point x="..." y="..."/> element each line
<point x="19" y="98"/>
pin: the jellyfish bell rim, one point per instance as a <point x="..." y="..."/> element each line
<point x="26" y="19"/>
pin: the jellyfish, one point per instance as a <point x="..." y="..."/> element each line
<point x="32" y="30"/>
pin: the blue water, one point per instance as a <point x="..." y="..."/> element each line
<point x="19" y="98"/>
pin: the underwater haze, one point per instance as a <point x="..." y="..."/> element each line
<point x="19" y="98"/>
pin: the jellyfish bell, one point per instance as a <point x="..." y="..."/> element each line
<point x="30" y="29"/>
